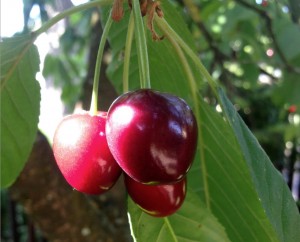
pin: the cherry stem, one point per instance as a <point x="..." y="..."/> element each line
<point x="94" y="101"/>
<point x="194" y="89"/>
<point x="128" y="45"/>
<point x="168" y="30"/>
<point x="180" y="45"/>
<point x="69" y="12"/>
<point x="141" y="43"/>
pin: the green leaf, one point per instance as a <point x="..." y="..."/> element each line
<point x="295" y="10"/>
<point x="20" y="97"/>
<point x="193" y="222"/>
<point x="288" y="37"/>
<point x="235" y="15"/>
<point x="222" y="178"/>
<point x="250" y="74"/>
<point x="274" y="194"/>
<point x="287" y="91"/>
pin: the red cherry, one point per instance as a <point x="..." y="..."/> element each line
<point x="292" y="109"/>
<point x="157" y="200"/>
<point x="152" y="135"/>
<point x="82" y="155"/>
<point x="264" y="3"/>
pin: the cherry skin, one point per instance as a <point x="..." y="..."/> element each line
<point x="157" y="200"/>
<point x="264" y="3"/>
<point x="152" y="135"/>
<point x="82" y="154"/>
<point x="292" y="109"/>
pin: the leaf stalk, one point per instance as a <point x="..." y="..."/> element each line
<point x="94" y="101"/>
<point x="141" y="44"/>
<point x="194" y="89"/>
<point x="128" y="45"/>
<point x="69" y="12"/>
<point x="167" y="29"/>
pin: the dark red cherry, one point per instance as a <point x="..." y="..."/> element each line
<point x="264" y="3"/>
<point x="292" y="109"/>
<point x="82" y="155"/>
<point x="157" y="200"/>
<point x="152" y="135"/>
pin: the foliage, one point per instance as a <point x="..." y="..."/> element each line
<point x="20" y="97"/>
<point x="234" y="191"/>
<point x="70" y="68"/>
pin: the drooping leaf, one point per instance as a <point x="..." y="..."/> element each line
<point x="222" y="178"/>
<point x="20" y="97"/>
<point x="193" y="222"/>
<point x="274" y="194"/>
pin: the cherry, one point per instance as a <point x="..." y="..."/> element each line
<point x="152" y="135"/>
<point x="264" y="3"/>
<point x="82" y="154"/>
<point x="292" y="109"/>
<point x="157" y="200"/>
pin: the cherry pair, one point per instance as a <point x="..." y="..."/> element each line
<point x="150" y="135"/>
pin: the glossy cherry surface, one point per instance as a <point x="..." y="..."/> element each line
<point x="152" y="135"/>
<point x="82" y="154"/>
<point x="157" y="200"/>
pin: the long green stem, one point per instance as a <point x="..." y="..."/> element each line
<point x="166" y="28"/>
<point x="141" y="44"/>
<point x="186" y="67"/>
<point x="194" y="89"/>
<point x="69" y="12"/>
<point x="128" y="45"/>
<point x="94" y="101"/>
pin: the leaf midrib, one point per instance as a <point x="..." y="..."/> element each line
<point x="16" y="62"/>
<point x="167" y="222"/>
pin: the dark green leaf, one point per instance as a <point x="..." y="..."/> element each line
<point x="274" y="194"/>
<point x="288" y="37"/>
<point x="20" y="97"/>
<point x="295" y="10"/>
<point x="222" y="178"/>
<point x="287" y="91"/>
